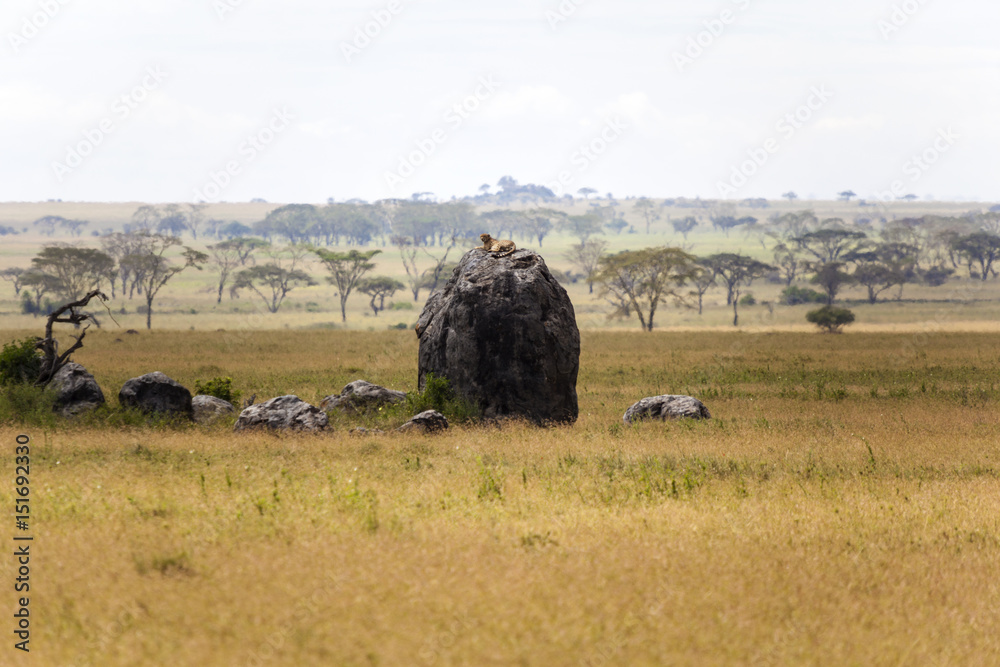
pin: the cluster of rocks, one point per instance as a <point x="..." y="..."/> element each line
<point x="290" y="413"/>
<point x="77" y="391"/>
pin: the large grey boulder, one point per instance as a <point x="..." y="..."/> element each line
<point x="76" y="390"/>
<point x="284" y="413"/>
<point x="361" y="395"/>
<point x="156" y="393"/>
<point x="428" y="421"/>
<point x="666" y="407"/>
<point x="503" y="332"/>
<point x="208" y="409"/>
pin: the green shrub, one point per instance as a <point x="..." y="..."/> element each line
<point x="794" y="295"/>
<point x="748" y="300"/>
<point x="28" y="405"/>
<point x="20" y="362"/>
<point x="438" y="395"/>
<point x="218" y="387"/>
<point x="830" y="318"/>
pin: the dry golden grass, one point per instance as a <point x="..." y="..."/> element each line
<point x="842" y="507"/>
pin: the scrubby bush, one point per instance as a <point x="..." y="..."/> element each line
<point x="28" y="405"/>
<point x="830" y="318"/>
<point x="219" y="387"/>
<point x="20" y="362"/>
<point x="438" y="395"/>
<point x="748" y="300"/>
<point x="794" y="295"/>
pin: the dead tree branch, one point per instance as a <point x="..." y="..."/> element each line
<point x="52" y="361"/>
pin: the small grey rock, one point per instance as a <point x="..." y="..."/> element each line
<point x="76" y="390"/>
<point x="284" y="413"/>
<point x="428" y="421"/>
<point x="208" y="409"/>
<point x="666" y="407"/>
<point x="361" y="395"/>
<point x="155" y="392"/>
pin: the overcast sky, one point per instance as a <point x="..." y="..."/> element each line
<point x="291" y="101"/>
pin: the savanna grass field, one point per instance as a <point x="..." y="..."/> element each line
<point x="842" y="507"/>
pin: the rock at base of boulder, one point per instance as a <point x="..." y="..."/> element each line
<point x="428" y="421"/>
<point x="284" y="413"/>
<point x="156" y="393"/>
<point x="209" y="409"/>
<point x="666" y="407"/>
<point x="361" y="395"/>
<point x="76" y="390"/>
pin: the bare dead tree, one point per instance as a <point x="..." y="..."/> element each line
<point x="52" y="361"/>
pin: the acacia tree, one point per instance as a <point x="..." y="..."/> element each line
<point x="581" y="226"/>
<point x="736" y="272"/>
<point x="981" y="248"/>
<point x="684" y="225"/>
<point x="76" y="270"/>
<point x="378" y="288"/>
<point x="13" y="275"/>
<point x="647" y="209"/>
<point x="346" y="269"/>
<point x="831" y="277"/>
<point x="831" y="243"/>
<point x="145" y="219"/>
<point x="538" y="222"/>
<point x="703" y="280"/>
<point x="639" y="280"/>
<point x="788" y="263"/>
<point x="36" y="284"/>
<point x="274" y="278"/>
<point x="153" y="268"/>
<point x="587" y="258"/>
<point x="228" y="255"/>
<point x="883" y="266"/>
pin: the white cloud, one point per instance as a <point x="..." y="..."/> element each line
<point x="539" y="102"/>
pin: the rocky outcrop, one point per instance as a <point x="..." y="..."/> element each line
<point x="209" y="409"/>
<point x="284" y="413"/>
<point x="503" y="332"/>
<point x="76" y="390"/>
<point x="428" y="421"/>
<point x="666" y="407"/>
<point x="361" y="395"/>
<point x="156" y="393"/>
